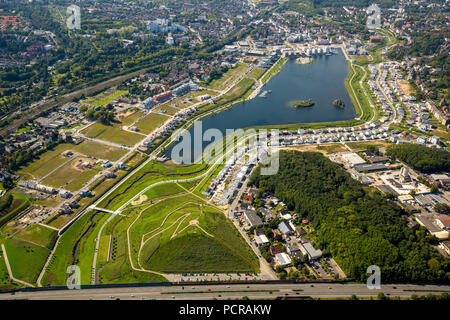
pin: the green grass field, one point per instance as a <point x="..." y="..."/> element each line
<point x="359" y="99"/>
<point x="45" y="163"/>
<point x="127" y="120"/>
<point x="86" y="246"/>
<point x="26" y="259"/>
<point x="39" y="235"/>
<point x="181" y="247"/>
<point x="51" y="159"/>
<point x="169" y="110"/>
<point x="69" y="177"/>
<point x="73" y="244"/>
<point x="5" y="282"/>
<point x="274" y="70"/>
<point x="163" y="190"/>
<point x="98" y="150"/>
<point x="237" y="91"/>
<point x="19" y="204"/>
<point x="119" y="270"/>
<point x="151" y="122"/>
<point x="112" y="133"/>
<point x="151" y="173"/>
<point x="229" y="76"/>
<point x="104" y="98"/>
<point x="103" y="250"/>
<point x="256" y="73"/>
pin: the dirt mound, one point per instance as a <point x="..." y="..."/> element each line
<point x="141" y="199"/>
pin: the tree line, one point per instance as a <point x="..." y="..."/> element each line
<point x="355" y="225"/>
<point x="421" y="158"/>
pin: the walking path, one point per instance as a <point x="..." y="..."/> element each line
<point x="152" y="156"/>
<point x="10" y="271"/>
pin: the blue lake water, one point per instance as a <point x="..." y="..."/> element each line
<point x="322" y="81"/>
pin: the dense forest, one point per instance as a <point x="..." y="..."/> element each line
<point x="357" y="226"/>
<point x="421" y="158"/>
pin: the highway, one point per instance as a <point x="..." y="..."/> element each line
<point x="253" y="291"/>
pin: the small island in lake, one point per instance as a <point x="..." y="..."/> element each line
<point x="339" y="103"/>
<point x="302" y="103"/>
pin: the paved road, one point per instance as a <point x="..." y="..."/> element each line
<point x="253" y="291"/>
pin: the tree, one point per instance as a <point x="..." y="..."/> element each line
<point x="8" y="184"/>
<point x="5" y="202"/>
<point x="355" y="225"/>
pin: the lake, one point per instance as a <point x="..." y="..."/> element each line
<point x="322" y="81"/>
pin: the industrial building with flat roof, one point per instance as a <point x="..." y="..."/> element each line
<point x="312" y="252"/>
<point x="370" y="167"/>
<point x="352" y="158"/>
<point x="283" y="259"/>
<point x="252" y="219"/>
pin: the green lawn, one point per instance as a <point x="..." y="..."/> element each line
<point x="119" y="270"/>
<point x="191" y="250"/>
<point x="45" y="163"/>
<point x="273" y="71"/>
<point x="169" y="110"/>
<point x="64" y="254"/>
<point x="104" y="98"/>
<point x="151" y="122"/>
<point x="98" y="150"/>
<point x="163" y="190"/>
<point x="237" y="91"/>
<point x="112" y="133"/>
<point x="26" y="259"/>
<point x="19" y="204"/>
<point x="51" y="159"/>
<point x="256" y="73"/>
<point x="359" y="99"/>
<point x="5" y="282"/>
<point x="38" y="234"/>
<point x="151" y="173"/>
<point x="129" y="119"/>
<point x="227" y="78"/>
<point x="86" y="247"/>
<point x="103" y="250"/>
<point x="69" y="177"/>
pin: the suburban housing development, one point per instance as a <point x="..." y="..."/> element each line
<point x="134" y="149"/>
